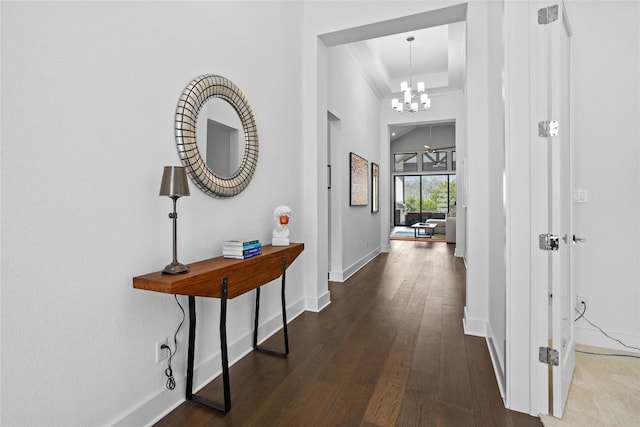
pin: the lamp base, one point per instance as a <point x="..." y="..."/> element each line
<point x="176" y="268"/>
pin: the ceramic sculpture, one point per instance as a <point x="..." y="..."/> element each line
<point x="281" y="215"/>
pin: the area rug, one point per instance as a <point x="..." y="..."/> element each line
<point x="407" y="233"/>
<point x="605" y="392"/>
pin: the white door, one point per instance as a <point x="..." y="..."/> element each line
<point x="552" y="85"/>
<point x="562" y="313"/>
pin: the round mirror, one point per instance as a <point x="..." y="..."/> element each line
<point x="214" y="176"/>
<point x="220" y="137"/>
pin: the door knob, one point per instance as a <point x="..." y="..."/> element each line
<point x="579" y="239"/>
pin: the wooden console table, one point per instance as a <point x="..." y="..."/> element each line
<point x="235" y="277"/>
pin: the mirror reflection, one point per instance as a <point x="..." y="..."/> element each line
<point x="220" y="137"/>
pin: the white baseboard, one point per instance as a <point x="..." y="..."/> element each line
<point x="342" y="276"/>
<point x="496" y="361"/>
<point x="458" y="253"/>
<point x="160" y="404"/>
<point x="386" y="249"/>
<point x="592" y="337"/>
<point x="318" y="304"/>
<point x="472" y="326"/>
<point x="336" y="276"/>
<point x="355" y="267"/>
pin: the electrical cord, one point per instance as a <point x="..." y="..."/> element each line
<point x="171" y="382"/>
<point x="633" y="356"/>
<point x="583" y="311"/>
<point x="582" y="316"/>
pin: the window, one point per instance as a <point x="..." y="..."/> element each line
<point x="420" y="197"/>
<point x="405" y="162"/>
<point x="435" y="193"/>
<point x="436" y="161"/>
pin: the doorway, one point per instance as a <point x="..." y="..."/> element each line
<point x="334" y="195"/>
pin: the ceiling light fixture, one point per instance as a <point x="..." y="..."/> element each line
<point x="409" y="94"/>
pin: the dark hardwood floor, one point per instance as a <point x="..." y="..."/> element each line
<point x="389" y="350"/>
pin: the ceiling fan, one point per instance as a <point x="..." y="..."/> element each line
<point x="429" y="149"/>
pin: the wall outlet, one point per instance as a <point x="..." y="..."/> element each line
<point x="162" y="353"/>
<point x="579" y="300"/>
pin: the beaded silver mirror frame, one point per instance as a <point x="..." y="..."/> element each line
<point x="194" y="96"/>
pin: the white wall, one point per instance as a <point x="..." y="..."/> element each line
<point x="353" y="102"/>
<point x="477" y="252"/>
<point x="1" y="180"/>
<point x="485" y="311"/>
<point x="605" y="95"/>
<point x="520" y="382"/>
<point x="337" y="195"/>
<point x="496" y="327"/>
<point x="89" y="92"/>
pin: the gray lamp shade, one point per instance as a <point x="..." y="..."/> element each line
<point x="174" y="182"/>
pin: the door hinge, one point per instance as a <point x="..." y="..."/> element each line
<point x="549" y="356"/>
<point x="548" y="128"/>
<point x="548" y="242"/>
<point x="547" y="15"/>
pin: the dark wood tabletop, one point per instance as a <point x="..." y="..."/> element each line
<point x="205" y="276"/>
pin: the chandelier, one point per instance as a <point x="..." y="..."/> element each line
<point x="409" y="94"/>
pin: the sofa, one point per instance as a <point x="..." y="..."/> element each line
<point x="450" y="234"/>
<point x="440" y="219"/>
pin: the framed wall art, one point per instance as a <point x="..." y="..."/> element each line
<point x="375" y="187"/>
<point x="359" y="182"/>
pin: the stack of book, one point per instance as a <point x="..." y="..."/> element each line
<point x="241" y="249"/>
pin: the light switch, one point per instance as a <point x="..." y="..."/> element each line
<point x="580" y="196"/>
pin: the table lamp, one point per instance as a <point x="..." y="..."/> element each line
<point x="174" y="184"/>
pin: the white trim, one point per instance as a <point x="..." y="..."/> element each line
<point x="337" y="276"/>
<point x="474" y="326"/>
<point x="593" y="337"/>
<point x="318" y="304"/>
<point x="497" y="368"/>
<point x="539" y="205"/>
<point x="355" y="58"/>
<point x="159" y="405"/>
<point x="355" y="267"/>
<point x="499" y="363"/>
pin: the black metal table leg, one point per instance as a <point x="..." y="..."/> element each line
<point x="191" y="351"/>
<point x="223" y="345"/>
<point x="222" y="407"/>
<point x="284" y="318"/>
<point x="255" y="319"/>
